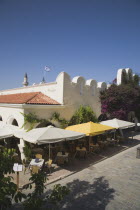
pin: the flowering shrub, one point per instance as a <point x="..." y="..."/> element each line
<point x="118" y="101"/>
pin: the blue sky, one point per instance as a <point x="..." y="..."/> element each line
<point x="91" y="38"/>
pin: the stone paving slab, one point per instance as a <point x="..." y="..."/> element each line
<point x="113" y="184"/>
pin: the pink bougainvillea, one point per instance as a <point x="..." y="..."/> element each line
<point x="118" y="101"/>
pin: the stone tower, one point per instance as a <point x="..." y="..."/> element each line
<point x="25" y="81"/>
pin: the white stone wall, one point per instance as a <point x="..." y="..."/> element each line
<point x="80" y="92"/>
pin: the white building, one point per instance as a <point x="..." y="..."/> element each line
<point x="64" y="96"/>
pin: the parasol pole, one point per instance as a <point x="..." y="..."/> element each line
<point x="114" y="134"/>
<point x="49" y="151"/>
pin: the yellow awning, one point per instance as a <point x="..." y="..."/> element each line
<point x="90" y="128"/>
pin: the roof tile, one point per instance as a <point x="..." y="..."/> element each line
<point x="27" y="98"/>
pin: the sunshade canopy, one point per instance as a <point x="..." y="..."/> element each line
<point x="90" y="128"/>
<point x="121" y="124"/>
<point x="7" y="130"/>
<point x="48" y="134"/>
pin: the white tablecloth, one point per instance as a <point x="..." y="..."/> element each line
<point x="40" y="163"/>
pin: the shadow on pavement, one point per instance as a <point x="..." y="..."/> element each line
<point x="84" y="195"/>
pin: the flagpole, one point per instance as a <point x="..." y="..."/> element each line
<point x="46" y="69"/>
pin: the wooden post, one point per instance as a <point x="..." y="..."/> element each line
<point x="17" y="180"/>
<point x="90" y="137"/>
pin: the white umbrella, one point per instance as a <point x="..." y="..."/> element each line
<point x="119" y="124"/>
<point x="7" y="130"/>
<point x="2" y="124"/>
<point x="5" y="133"/>
<point x="48" y="135"/>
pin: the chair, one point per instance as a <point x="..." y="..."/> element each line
<point x="49" y="165"/>
<point x="35" y="170"/>
<point x="94" y="148"/>
<point x="121" y="139"/>
<point x="38" y="156"/>
<point x="60" y="160"/>
<point x="82" y="154"/>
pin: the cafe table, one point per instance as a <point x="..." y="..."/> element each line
<point x="39" y="163"/>
<point x="62" y="155"/>
<point x="78" y="150"/>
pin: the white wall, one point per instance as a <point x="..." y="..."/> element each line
<point x="78" y="92"/>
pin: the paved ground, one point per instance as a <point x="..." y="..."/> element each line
<point x="112" y="184"/>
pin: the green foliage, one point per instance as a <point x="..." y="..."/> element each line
<point x="130" y="80"/>
<point x="136" y="80"/>
<point x="27" y="151"/>
<point x="62" y="121"/>
<point x="32" y="119"/>
<point x="124" y="78"/>
<point x="8" y="189"/>
<point x="82" y="115"/>
<point x="34" y="201"/>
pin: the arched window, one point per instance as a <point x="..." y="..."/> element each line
<point x="14" y="122"/>
<point x="0" y="118"/>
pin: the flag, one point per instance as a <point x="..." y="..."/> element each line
<point x="47" y="68"/>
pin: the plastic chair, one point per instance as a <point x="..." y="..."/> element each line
<point x="35" y="170"/>
<point x="39" y="156"/>
<point x="49" y="165"/>
<point x="94" y="148"/>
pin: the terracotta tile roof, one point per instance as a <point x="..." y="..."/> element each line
<point x="27" y="98"/>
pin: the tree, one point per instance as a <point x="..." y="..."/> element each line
<point x="118" y="101"/>
<point x="124" y="78"/>
<point x="136" y="80"/>
<point x="8" y="189"/>
<point x="33" y="200"/>
<point x="82" y="115"/>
